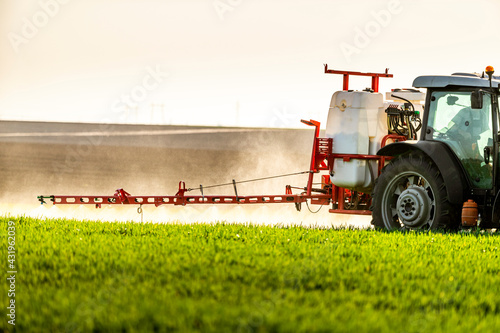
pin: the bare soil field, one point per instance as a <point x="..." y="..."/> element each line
<point x="95" y="159"/>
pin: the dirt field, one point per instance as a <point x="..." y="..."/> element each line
<point x="90" y="159"/>
<point x="50" y="158"/>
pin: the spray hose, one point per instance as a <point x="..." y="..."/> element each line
<point x="201" y="188"/>
<point x="403" y="121"/>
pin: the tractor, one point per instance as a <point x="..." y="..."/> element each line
<point x="454" y="164"/>
<point x="381" y="158"/>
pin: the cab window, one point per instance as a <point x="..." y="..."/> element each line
<point x="465" y="130"/>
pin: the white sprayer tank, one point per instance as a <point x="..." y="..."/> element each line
<point x="357" y="122"/>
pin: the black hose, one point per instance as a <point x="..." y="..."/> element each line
<point x="250" y="180"/>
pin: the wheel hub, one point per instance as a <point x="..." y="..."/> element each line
<point x="414" y="206"/>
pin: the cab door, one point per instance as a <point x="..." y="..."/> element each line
<point x="467" y="131"/>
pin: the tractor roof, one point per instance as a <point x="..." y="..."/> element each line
<point x="457" y="79"/>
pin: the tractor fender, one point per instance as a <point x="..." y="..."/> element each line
<point x="442" y="156"/>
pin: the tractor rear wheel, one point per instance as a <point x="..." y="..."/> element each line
<point x="411" y="194"/>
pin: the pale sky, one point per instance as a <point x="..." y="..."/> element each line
<point x="225" y="62"/>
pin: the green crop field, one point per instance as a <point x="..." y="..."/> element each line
<point x="84" y="276"/>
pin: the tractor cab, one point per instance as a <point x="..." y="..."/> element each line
<point x="462" y="113"/>
<point x="455" y="160"/>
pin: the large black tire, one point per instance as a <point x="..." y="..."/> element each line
<point x="411" y="194"/>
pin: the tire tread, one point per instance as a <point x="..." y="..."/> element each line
<point x="447" y="218"/>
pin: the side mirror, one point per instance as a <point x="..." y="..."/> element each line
<point x="476" y="99"/>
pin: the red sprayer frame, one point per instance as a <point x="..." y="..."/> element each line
<point x="181" y="198"/>
<point x="375" y="77"/>
<point x="322" y="159"/>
